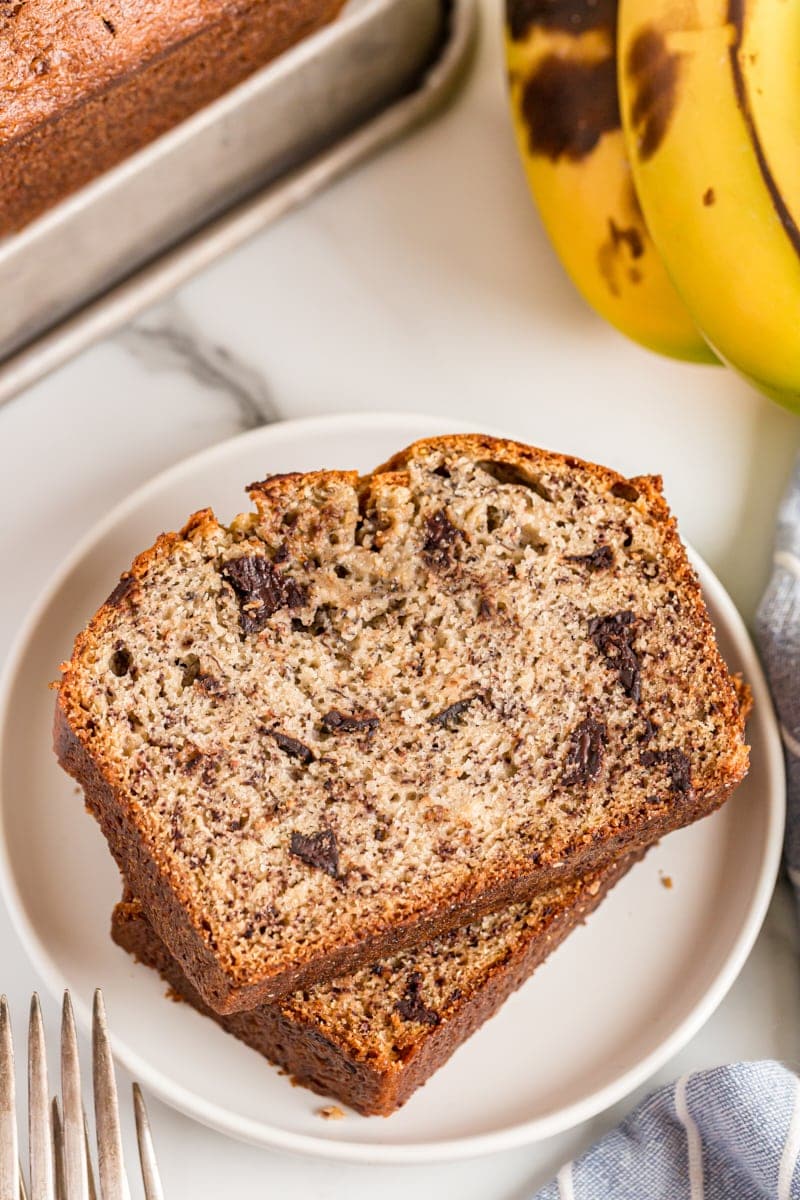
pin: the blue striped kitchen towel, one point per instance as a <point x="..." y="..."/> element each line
<point x="732" y="1133"/>
<point x="778" y="636"/>
<point x="728" y="1134"/>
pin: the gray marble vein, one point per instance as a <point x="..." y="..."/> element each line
<point x="165" y="339"/>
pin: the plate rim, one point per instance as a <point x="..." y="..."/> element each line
<point x="262" y="1133"/>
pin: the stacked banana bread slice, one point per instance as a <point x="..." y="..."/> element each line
<point x="372" y="1038"/>
<point x="453" y="695"/>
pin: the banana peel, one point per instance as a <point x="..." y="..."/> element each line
<point x="712" y="125"/>
<point x="562" y="70"/>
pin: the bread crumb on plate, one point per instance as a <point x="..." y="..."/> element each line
<point x="331" y="1112"/>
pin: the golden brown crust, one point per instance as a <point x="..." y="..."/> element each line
<point x="352" y="1069"/>
<point x="744" y="696"/>
<point x="172" y="910"/>
<point x="83" y="88"/>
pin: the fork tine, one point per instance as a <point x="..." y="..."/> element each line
<point x="23" y="1192"/>
<point x="113" y="1184"/>
<point x="147" y="1154"/>
<point x="58" y="1150"/>
<point x="9" y="1145"/>
<point x="75" y="1171"/>
<point x="89" y="1171"/>
<point x="40" y="1142"/>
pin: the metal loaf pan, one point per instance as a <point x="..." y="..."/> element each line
<point x="123" y="242"/>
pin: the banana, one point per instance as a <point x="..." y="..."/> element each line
<point x="561" y="58"/>
<point x="710" y="100"/>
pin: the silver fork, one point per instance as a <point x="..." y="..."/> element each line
<point x="58" y="1136"/>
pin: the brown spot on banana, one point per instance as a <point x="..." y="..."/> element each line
<point x="567" y="16"/>
<point x="568" y="106"/>
<point x="616" y="255"/>
<point x="654" y="72"/>
<point x="632" y="238"/>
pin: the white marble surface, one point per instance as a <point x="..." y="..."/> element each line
<point x="422" y="282"/>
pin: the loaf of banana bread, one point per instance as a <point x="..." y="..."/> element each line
<point x="372" y="1038"/>
<point x="84" y="85"/>
<point x="374" y="709"/>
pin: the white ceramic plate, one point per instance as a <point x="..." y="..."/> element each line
<point x="622" y="995"/>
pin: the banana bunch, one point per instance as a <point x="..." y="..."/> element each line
<point x="662" y="145"/>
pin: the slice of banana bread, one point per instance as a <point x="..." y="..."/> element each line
<point x="376" y="708"/>
<point x="372" y="1038"/>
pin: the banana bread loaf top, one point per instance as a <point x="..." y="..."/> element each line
<point x="376" y="708"/>
<point x="84" y="85"/>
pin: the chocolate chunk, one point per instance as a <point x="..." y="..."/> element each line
<point x="585" y="754"/>
<point x="339" y="722"/>
<point x="192" y="674"/>
<point x="210" y="684"/>
<point x="678" y="767"/>
<point x="194" y="758"/>
<point x="120" y="661"/>
<point x="317" y="850"/>
<point x="191" y="669"/>
<point x="613" y="635"/>
<point x="440" y="537"/>
<point x="412" y="1007"/>
<point x="449" y="717"/>
<point x="120" y="593"/>
<point x="625" y="491"/>
<point x="505" y="473"/>
<point x="566" y="16"/>
<point x="261" y="590"/>
<point x="110" y="26"/>
<point x="649" y="732"/>
<point x="599" y="559"/>
<point x="291" y="746"/>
